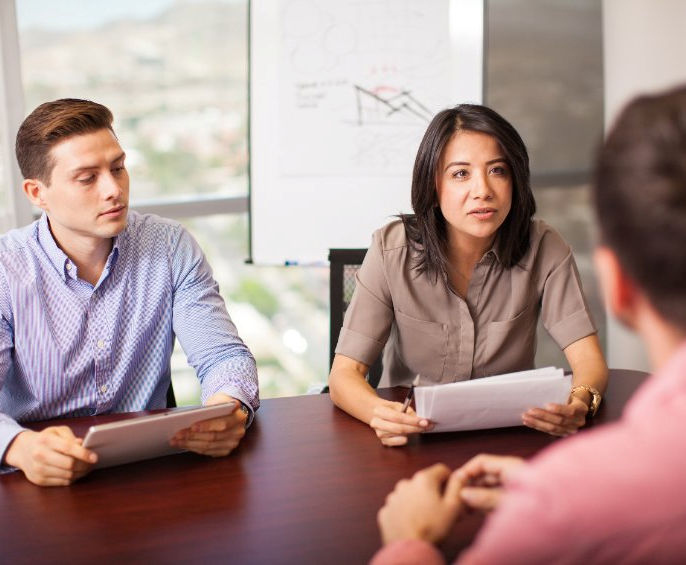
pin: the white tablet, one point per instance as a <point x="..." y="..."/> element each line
<point x="148" y="436"/>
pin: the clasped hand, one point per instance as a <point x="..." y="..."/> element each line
<point x="426" y="506"/>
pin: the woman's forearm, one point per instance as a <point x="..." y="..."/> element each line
<point x="350" y="390"/>
<point x="588" y="365"/>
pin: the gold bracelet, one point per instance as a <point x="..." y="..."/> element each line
<point x="595" y="400"/>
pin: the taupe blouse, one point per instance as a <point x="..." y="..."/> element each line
<point x="429" y="329"/>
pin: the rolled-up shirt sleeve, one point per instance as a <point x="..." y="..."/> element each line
<point x="205" y="330"/>
<point x="564" y="311"/>
<point x="9" y="428"/>
<point x="368" y="319"/>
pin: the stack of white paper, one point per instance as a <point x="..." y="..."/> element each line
<point x="491" y="402"/>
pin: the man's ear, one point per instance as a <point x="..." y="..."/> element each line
<point x="33" y="188"/>
<point x="619" y="292"/>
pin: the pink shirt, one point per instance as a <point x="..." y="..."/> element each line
<point x="613" y="495"/>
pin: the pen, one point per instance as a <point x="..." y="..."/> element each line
<point x="410" y="394"/>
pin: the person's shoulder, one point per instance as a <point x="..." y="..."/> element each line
<point x="391" y="236"/>
<point x="544" y="236"/>
<point x="546" y="245"/>
<point x="146" y="222"/>
<point x="146" y="226"/>
<point x="16" y="241"/>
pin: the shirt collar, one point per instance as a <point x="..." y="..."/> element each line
<point x="492" y="253"/>
<point x="57" y="257"/>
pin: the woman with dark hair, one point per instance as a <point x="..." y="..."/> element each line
<point x="454" y="291"/>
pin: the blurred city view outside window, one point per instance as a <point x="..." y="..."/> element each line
<point x="174" y="72"/>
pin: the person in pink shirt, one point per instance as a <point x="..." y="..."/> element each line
<point x="616" y="494"/>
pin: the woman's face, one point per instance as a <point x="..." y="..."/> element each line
<point x="474" y="187"/>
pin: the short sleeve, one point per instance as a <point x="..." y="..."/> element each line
<point x="564" y="311"/>
<point x="368" y="319"/>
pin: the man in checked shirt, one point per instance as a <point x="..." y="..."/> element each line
<point x="92" y="296"/>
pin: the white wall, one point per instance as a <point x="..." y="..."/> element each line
<point x="644" y="50"/>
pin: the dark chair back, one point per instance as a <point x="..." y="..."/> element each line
<point x="171" y="399"/>
<point x="344" y="265"/>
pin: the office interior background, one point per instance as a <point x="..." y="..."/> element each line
<point x="175" y="75"/>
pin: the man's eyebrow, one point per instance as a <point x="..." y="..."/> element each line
<point x="91" y="167"/>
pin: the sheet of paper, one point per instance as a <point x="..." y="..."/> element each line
<point x="491" y="402"/>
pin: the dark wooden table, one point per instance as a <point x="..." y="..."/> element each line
<point x="303" y="487"/>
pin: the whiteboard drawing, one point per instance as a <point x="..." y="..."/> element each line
<point x="381" y="66"/>
<point x="341" y="93"/>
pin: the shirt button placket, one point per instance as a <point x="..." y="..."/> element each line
<point x="101" y="353"/>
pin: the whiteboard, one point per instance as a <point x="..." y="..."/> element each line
<point x="341" y="92"/>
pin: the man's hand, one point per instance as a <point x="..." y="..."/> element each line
<point x="392" y="425"/>
<point x="420" y="508"/>
<point x="557" y="419"/>
<point x="52" y="457"/>
<point x="216" y="437"/>
<point x="483" y="476"/>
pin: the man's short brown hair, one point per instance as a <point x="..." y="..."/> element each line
<point x="51" y="123"/>
<point x="640" y="198"/>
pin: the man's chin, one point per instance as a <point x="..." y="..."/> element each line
<point x="113" y="230"/>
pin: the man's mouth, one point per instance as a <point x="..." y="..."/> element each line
<point x="113" y="211"/>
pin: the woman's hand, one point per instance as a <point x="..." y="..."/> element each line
<point x="392" y="425"/>
<point x="558" y="419"/>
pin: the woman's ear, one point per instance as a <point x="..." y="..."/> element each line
<point x="619" y="292"/>
<point x="33" y="188"/>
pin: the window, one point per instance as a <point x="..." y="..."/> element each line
<point x="174" y="74"/>
<point x="544" y="73"/>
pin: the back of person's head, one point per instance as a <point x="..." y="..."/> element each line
<point x="51" y="123"/>
<point x="428" y="226"/>
<point x="640" y="198"/>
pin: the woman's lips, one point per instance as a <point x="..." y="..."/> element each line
<point x="483" y="213"/>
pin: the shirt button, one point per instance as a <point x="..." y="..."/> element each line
<point x="68" y="266"/>
<point x="103" y="389"/>
<point x="101" y="344"/>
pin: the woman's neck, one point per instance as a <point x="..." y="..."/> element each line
<point x="465" y="251"/>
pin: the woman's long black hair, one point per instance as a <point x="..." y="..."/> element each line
<point x="426" y="228"/>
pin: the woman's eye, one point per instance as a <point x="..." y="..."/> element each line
<point x="499" y="170"/>
<point x="460" y="173"/>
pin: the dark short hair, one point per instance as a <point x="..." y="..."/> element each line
<point x="426" y="230"/>
<point x="640" y="198"/>
<point x="51" y="123"/>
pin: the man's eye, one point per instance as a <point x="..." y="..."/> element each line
<point x="118" y="170"/>
<point x="86" y="180"/>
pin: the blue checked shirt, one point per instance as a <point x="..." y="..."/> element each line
<point x="68" y="348"/>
